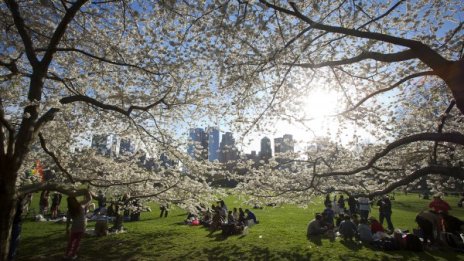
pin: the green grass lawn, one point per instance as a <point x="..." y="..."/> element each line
<point x="281" y="235"/>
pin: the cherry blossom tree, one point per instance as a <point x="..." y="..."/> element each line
<point x="74" y="68"/>
<point x="150" y="69"/>
<point x="397" y="65"/>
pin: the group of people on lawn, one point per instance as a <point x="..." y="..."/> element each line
<point x="356" y="223"/>
<point x="352" y="221"/>
<point x="218" y="217"/>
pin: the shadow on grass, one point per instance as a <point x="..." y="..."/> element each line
<point x="235" y="252"/>
<point x="123" y="246"/>
<point x="317" y="240"/>
<point x="353" y="245"/>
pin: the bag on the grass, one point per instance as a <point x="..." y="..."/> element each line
<point x="387" y="244"/>
<point x="413" y="243"/>
<point x="451" y="240"/>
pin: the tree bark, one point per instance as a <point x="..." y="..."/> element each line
<point x="454" y="78"/>
<point x="8" y="210"/>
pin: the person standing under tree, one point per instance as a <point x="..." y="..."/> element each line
<point x="364" y="207"/>
<point x="43" y="203"/>
<point x="327" y="200"/>
<point x="76" y="214"/>
<point x="352" y="204"/>
<point x="56" y="201"/>
<point x="164" y="209"/>
<point x="385" y="211"/>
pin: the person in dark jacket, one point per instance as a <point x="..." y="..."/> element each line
<point x="385" y="211"/>
<point x="251" y="217"/>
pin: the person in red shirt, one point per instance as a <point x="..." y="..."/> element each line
<point x="375" y="225"/>
<point x="439" y="205"/>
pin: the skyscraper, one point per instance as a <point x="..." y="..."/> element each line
<point x="213" y="144"/>
<point x="227" y="150"/>
<point x="278" y="144"/>
<point x="284" y="144"/>
<point x="198" y="144"/>
<point x="266" y="150"/>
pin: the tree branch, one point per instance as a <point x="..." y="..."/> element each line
<point x="52" y="187"/>
<point x="20" y="26"/>
<point x="398" y="83"/>
<point x="60" y="30"/>
<point x="381" y="57"/>
<point x="86" y="99"/>
<point x="55" y="158"/>
<point x="47" y="117"/>
<point x="455" y="172"/>
<point x="423" y="52"/>
<point x="453" y="137"/>
<point x="103" y="59"/>
<point x="440" y="128"/>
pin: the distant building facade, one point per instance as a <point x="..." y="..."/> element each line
<point x="198" y="144"/>
<point x="213" y="144"/>
<point x="227" y="149"/>
<point x="284" y="144"/>
<point x="266" y="149"/>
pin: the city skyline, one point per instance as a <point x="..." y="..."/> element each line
<point x="204" y="143"/>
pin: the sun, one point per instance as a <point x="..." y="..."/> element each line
<point x="320" y="103"/>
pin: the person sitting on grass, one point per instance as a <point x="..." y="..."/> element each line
<point x="241" y="216"/>
<point x="217" y="219"/>
<point x="250" y="218"/>
<point x="378" y="232"/>
<point x="230" y="218"/>
<point x="347" y="228"/>
<point x="439" y="205"/>
<point x="375" y="225"/>
<point x="316" y="227"/>
<point x="236" y="214"/>
<point x="364" y="231"/>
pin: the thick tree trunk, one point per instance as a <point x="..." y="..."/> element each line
<point x="455" y="80"/>
<point x="7" y="211"/>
